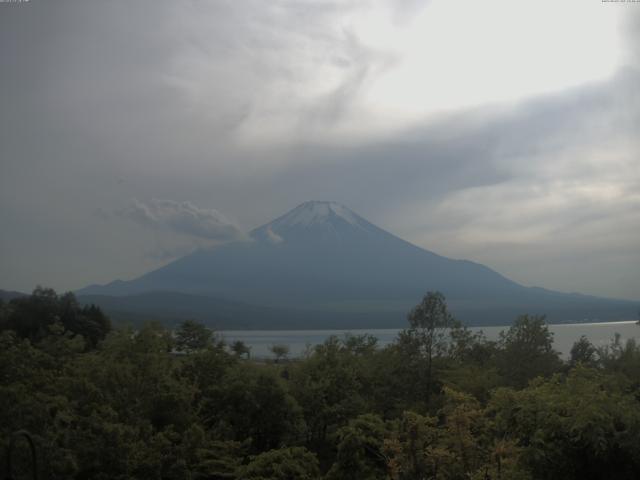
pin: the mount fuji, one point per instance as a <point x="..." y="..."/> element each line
<point x="323" y="266"/>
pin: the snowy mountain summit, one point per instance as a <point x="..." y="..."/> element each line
<point x="317" y="212"/>
<point x="315" y="219"/>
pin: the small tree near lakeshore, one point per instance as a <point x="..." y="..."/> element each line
<point x="583" y="351"/>
<point x="241" y="349"/>
<point x="280" y="351"/>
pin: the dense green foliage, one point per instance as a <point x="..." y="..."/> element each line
<point x="439" y="403"/>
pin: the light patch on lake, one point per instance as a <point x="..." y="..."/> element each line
<point x="298" y="341"/>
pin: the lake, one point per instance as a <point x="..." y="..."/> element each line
<point x="299" y="340"/>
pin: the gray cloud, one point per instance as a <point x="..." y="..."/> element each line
<point x="242" y="105"/>
<point x="184" y="218"/>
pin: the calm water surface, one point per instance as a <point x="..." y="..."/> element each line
<point x="299" y="340"/>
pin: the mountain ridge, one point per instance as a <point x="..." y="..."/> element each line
<point x="322" y="254"/>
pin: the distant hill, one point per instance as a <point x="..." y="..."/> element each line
<point x="173" y="307"/>
<point x="7" y="295"/>
<point x="323" y="266"/>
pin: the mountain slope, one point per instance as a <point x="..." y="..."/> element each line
<point x="322" y="257"/>
<point x="7" y="295"/>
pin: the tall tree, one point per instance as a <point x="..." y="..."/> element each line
<point x="33" y="317"/>
<point x="429" y="322"/>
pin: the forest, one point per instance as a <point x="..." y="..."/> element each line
<point x="106" y="402"/>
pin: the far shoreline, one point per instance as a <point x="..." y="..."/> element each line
<point x="360" y="329"/>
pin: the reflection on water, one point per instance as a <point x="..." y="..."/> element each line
<point x="298" y="340"/>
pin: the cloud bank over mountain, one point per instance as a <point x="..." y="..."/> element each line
<point x="184" y="218"/>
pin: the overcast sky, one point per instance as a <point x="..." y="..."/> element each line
<point x="504" y="132"/>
